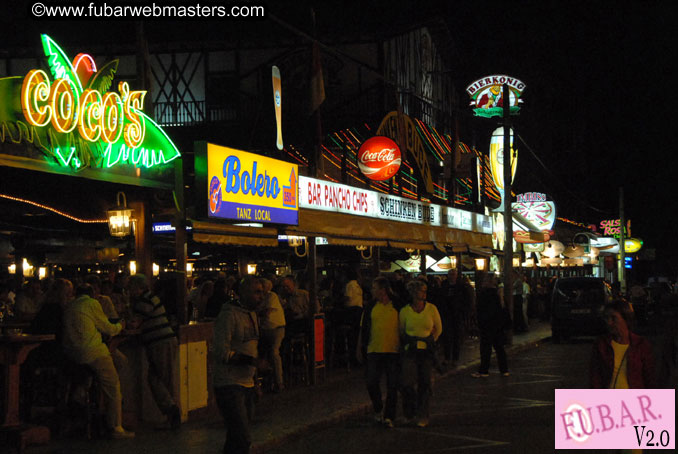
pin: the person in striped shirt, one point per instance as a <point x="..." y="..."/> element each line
<point x="161" y="346"/>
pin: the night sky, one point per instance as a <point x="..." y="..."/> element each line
<point x="597" y="104"/>
<point x="597" y="108"/>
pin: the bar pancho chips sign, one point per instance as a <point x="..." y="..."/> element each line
<point x="248" y="187"/>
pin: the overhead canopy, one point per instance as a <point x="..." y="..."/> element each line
<point x="411" y="245"/>
<point x="211" y="232"/>
<point x="344" y="230"/>
<point x="355" y="242"/>
<point x="357" y="230"/>
<point x="234" y="240"/>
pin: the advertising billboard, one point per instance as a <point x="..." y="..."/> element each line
<point x="247" y="187"/>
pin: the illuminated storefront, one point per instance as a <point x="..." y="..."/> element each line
<point x="75" y="147"/>
<point x="341" y="214"/>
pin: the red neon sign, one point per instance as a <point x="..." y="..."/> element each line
<point x="379" y="158"/>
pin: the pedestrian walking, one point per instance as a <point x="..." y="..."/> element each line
<point x="668" y="364"/>
<point x="457" y="299"/>
<point x="621" y="359"/>
<point x="236" y="337"/>
<point x="518" y="302"/>
<point x="353" y="306"/>
<point x="420" y="328"/>
<point x="380" y="340"/>
<point x="492" y="318"/>
<point x="272" y="319"/>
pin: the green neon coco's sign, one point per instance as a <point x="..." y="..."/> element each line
<point x="75" y="118"/>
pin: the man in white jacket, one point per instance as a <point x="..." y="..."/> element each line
<point x="236" y="338"/>
<point x="83" y="324"/>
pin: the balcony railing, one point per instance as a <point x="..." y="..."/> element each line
<point x="190" y="113"/>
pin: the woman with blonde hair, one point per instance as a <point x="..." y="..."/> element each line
<point x="420" y="328"/>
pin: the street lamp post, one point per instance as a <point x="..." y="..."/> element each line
<point x="622" y="249"/>
<point x="508" y="217"/>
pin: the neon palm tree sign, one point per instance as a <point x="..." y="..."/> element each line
<point x="76" y="120"/>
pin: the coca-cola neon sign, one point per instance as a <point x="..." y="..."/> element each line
<point x="379" y="158"/>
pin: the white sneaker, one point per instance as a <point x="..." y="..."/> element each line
<point x="378" y="417"/>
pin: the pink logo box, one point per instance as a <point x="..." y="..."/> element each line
<point x="615" y="418"/>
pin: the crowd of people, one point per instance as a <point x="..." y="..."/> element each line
<point x="401" y="326"/>
<point x="83" y="315"/>
<point x="395" y="327"/>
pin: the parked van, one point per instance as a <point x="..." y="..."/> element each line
<point x="577" y="306"/>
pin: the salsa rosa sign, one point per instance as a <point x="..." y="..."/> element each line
<point x="249" y="187"/>
<point x="379" y="158"/>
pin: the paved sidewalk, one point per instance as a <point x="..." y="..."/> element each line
<point x="279" y="417"/>
<point x="290" y="415"/>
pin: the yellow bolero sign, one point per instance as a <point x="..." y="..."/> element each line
<point x="251" y="188"/>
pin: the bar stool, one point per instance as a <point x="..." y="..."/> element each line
<point x="41" y="390"/>
<point x="341" y="336"/>
<point x="80" y="376"/>
<point x="297" y="365"/>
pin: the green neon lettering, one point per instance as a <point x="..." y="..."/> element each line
<point x="139" y="156"/>
<point x="107" y="155"/>
<point x="67" y="161"/>
<point x="155" y="148"/>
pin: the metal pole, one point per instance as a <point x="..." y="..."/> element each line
<point x="311" y="269"/>
<point x="622" y="253"/>
<point x="143" y="231"/>
<point x="376" y="257"/>
<point x="311" y="272"/>
<point x="180" y="244"/>
<point x="508" y="218"/>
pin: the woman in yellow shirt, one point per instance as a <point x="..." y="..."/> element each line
<point x="420" y="327"/>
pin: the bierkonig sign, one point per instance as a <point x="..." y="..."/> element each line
<point x="487" y="97"/>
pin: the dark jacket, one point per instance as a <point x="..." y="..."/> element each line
<point x="639" y="360"/>
<point x="459" y="297"/>
<point x="490" y="313"/>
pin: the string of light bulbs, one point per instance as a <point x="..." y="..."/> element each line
<point x="54" y="210"/>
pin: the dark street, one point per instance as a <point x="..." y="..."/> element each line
<point x="496" y="414"/>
